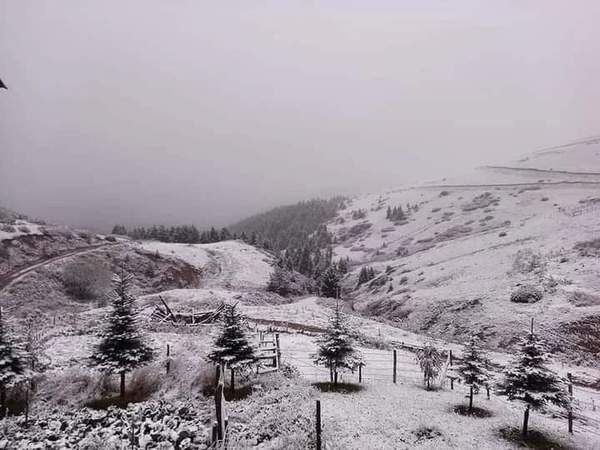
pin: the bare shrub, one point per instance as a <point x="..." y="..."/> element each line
<point x="526" y="294"/>
<point x="86" y="280"/>
<point x="583" y="298"/>
<point x="588" y="248"/>
<point x="528" y="261"/>
<point x="206" y="379"/>
<point x="72" y="387"/>
<point x="481" y="201"/>
<point x="145" y="381"/>
<point x="279" y="414"/>
<point x="7" y="228"/>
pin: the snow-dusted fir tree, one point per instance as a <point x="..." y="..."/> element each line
<point x="123" y="346"/>
<point x="231" y="346"/>
<point x="472" y="368"/>
<point x="12" y="366"/>
<point x="336" y="346"/>
<point x="330" y="282"/>
<point x="430" y="361"/>
<point x="528" y="380"/>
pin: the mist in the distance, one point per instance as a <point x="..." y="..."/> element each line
<point x="190" y="112"/>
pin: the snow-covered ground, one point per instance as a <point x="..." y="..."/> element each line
<point x="228" y="264"/>
<point x="19" y="228"/>
<point x="451" y="264"/>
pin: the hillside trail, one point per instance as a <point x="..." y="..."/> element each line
<point x="7" y="279"/>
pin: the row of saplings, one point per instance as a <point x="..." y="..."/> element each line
<point x="527" y="379"/>
<point x="123" y="347"/>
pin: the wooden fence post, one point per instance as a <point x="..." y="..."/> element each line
<point x="570" y="411"/>
<point x="27" y="407"/>
<point x="395" y="365"/>
<point x="360" y="373"/>
<point x="318" y="425"/>
<point x="451" y="358"/>
<point x="278" y="351"/>
<point x="219" y="400"/>
<point x="168" y="358"/>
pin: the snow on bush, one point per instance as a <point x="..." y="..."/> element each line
<point x="278" y="414"/>
<point x="153" y="424"/>
<point x="528" y="261"/>
<point x="589" y="248"/>
<point x="526" y="294"/>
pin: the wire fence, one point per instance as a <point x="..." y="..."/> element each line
<point x="379" y="368"/>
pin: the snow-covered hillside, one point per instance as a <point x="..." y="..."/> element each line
<point x="230" y="264"/>
<point x="468" y="243"/>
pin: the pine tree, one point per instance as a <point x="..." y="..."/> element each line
<point x="530" y="381"/>
<point x="472" y="369"/>
<point x="11" y="364"/>
<point x="279" y="281"/>
<point x="336" y="346"/>
<point x="120" y="230"/>
<point x="330" y="283"/>
<point x="231" y="346"/>
<point x="430" y="361"/>
<point x="122" y="347"/>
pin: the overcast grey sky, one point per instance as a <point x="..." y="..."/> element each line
<point x="193" y="111"/>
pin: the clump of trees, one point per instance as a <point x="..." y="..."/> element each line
<point x="430" y="361"/>
<point x="330" y="283"/>
<point x="472" y="369"/>
<point x="358" y="214"/>
<point x="284" y="282"/>
<point x="297" y="234"/>
<point x="395" y="214"/>
<point x="529" y="380"/>
<point x="121" y="230"/>
<point x="231" y="347"/>
<point x="181" y="234"/>
<point x="122" y="347"/>
<point x="336" y="349"/>
<point x="366" y="274"/>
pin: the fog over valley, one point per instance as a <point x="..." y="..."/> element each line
<point x="192" y="112"/>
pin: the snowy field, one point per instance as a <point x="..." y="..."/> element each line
<point x="228" y="264"/>
<point x="19" y="228"/>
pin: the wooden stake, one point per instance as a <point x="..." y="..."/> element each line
<point x="532" y="325"/>
<point x="219" y="405"/>
<point x="318" y="424"/>
<point x="395" y="364"/>
<point x="570" y="411"/>
<point x="168" y="358"/>
<point x="451" y="358"/>
<point x="360" y="373"/>
<point x="27" y="407"/>
<point x="278" y="351"/>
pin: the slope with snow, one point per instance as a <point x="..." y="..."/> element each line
<point x="229" y="264"/>
<point x="451" y="267"/>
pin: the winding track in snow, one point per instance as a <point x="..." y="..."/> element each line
<point x="10" y="277"/>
